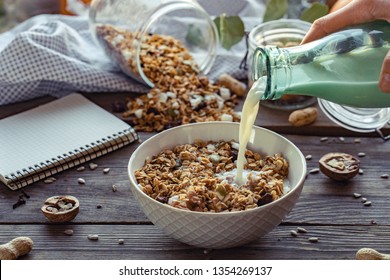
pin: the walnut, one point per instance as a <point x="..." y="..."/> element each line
<point x="339" y="166"/>
<point x="60" y="208"/>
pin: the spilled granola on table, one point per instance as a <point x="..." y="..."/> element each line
<point x="180" y="94"/>
<point x="200" y="177"/>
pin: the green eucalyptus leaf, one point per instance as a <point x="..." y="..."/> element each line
<point x="315" y="11"/>
<point x="230" y="29"/>
<point x="275" y="9"/>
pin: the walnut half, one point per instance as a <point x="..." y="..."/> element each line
<point x="60" y="208"/>
<point x="339" y="166"/>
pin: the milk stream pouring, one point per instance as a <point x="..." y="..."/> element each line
<point x="343" y="67"/>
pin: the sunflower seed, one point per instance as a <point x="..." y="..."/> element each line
<point x="364" y="199"/>
<point x="357" y="140"/>
<point x="342" y="139"/>
<point x="301" y="230"/>
<point x="93" y="237"/>
<point x="361" y="171"/>
<point x="308" y="157"/>
<point x="293" y="233"/>
<point x="68" y="231"/>
<point x="367" y="203"/>
<point x="361" y="154"/>
<point x="357" y="195"/>
<point x="323" y="139"/>
<point x="121" y="241"/>
<point x="114" y="188"/>
<point x="81" y="168"/>
<point x="313" y="239"/>
<point x="49" y="180"/>
<point x="385" y="176"/>
<point x="93" y="166"/>
<point x="106" y="170"/>
<point x="81" y="181"/>
<point x="314" y="170"/>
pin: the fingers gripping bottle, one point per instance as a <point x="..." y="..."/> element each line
<point x="342" y="70"/>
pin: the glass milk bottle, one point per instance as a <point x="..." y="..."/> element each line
<point x="342" y="68"/>
<point x="281" y="33"/>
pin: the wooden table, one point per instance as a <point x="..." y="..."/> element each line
<point x="326" y="209"/>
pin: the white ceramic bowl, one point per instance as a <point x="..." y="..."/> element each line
<point x="226" y="229"/>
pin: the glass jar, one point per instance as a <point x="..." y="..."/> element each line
<point x="363" y="120"/>
<point x="134" y="33"/>
<point x="342" y="69"/>
<point x="282" y="33"/>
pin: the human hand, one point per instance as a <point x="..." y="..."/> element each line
<point x="356" y="12"/>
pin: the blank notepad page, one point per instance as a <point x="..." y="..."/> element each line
<point x="52" y="130"/>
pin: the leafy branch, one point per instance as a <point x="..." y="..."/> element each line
<point x="231" y="28"/>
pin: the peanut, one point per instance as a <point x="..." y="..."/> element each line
<point x="303" y="117"/>
<point x="232" y="84"/>
<point x="371" y="254"/>
<point x="15" y="248"/>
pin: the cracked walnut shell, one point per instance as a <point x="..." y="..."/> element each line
<point x="339" y="166"/>
<point x="60" y="208"/>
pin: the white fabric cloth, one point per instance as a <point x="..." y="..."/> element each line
<point x="56" y="55"/>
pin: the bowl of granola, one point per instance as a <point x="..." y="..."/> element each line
<point x="185" y="181"/>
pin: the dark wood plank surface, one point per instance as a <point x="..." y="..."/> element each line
<point x="327" y="209"/>
<point x="147" y="242"/>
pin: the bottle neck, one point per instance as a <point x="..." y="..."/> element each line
<point x="274" y="64"/>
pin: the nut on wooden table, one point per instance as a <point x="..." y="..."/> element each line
<point x="339" y="166"/>
<point x="61" y="208"/>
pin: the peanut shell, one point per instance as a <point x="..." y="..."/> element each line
<point x="303" y="117"/>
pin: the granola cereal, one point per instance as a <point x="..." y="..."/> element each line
<point x="159" y="54"/>
<point x="180" y="94"/>
<point x="177" y="101"/>
<point x="200" y="177"/>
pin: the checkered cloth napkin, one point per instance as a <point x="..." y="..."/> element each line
<point x="56" y="55"/>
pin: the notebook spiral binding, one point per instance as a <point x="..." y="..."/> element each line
<point x="39" y="171"/>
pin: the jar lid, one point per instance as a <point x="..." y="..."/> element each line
<point x="362" y="120"/>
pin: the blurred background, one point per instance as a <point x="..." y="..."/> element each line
<point x="13" y="12"/>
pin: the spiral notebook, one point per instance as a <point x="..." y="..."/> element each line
<point x="48" y="139"/>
